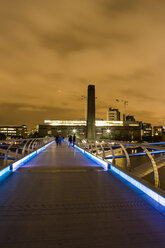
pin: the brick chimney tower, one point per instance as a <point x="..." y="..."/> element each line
<point x="91" y="112"/>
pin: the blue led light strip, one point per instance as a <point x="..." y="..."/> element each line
<point x="154" y="195"/>
<point x="13" y="167"/>
<point x="25" y="159"/>
<point x="93" y="157"/>
<point x="3" y="171"/>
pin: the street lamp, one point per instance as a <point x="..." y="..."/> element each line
<point x="108" y="131"/>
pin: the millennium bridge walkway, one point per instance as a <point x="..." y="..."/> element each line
<point x="61" y="198"/>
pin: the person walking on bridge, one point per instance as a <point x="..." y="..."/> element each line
<point x="57" y="140"/>
<point x="70" y="140"/>
<point x="74" y="139"/>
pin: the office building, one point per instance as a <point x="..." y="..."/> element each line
<point x="159" y="133"/>
<point x="113" y="115"/>
<point x="158" y="130"/>
<point x="11" y="131"/>
<point x="146" y="130"/>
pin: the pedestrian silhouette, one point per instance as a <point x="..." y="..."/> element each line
<point x="57" y="140"/>
<point x="74" y="139"/>
<point x="70" y="140"/>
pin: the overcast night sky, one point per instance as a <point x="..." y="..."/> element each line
<point x="51" y="50"/>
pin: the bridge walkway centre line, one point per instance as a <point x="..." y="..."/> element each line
<point x="63" y="199"/>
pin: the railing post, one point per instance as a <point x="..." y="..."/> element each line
<point x="30" y="145"/>
<point x="88" y="146"/>
<point x="33" y="144"/>
<point x="113" y="155"/>
<point x="91" y="148"/>
<point x="16" y="153"/>
<point x="154" y="166"/>
<point x="24" y="147"/>
<point x="127" y="157"/>
<point x="102" y="147"/>
<point x="6" y="154"/>
<point x="96" y="147"/>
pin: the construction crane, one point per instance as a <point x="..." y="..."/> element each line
<point x="125" y="104"/>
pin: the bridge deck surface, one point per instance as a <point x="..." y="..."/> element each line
<point x="63" y="199"/>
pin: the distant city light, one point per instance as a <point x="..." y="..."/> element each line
<point x="82" y="123"/>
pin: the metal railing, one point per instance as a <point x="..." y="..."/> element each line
<point x="12" y="150"/>
<point x="106" y="151"/>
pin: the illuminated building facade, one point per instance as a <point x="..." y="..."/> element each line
<point x="159" y="133"/>
<point x="157" y="130"/>
<point x="14" y="131"/>
<point x="146" y="130"/>
<point x="103" y="129"/>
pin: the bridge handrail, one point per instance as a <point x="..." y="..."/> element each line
<point x="100" y="146"/>
<point x="25" y="146"/>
